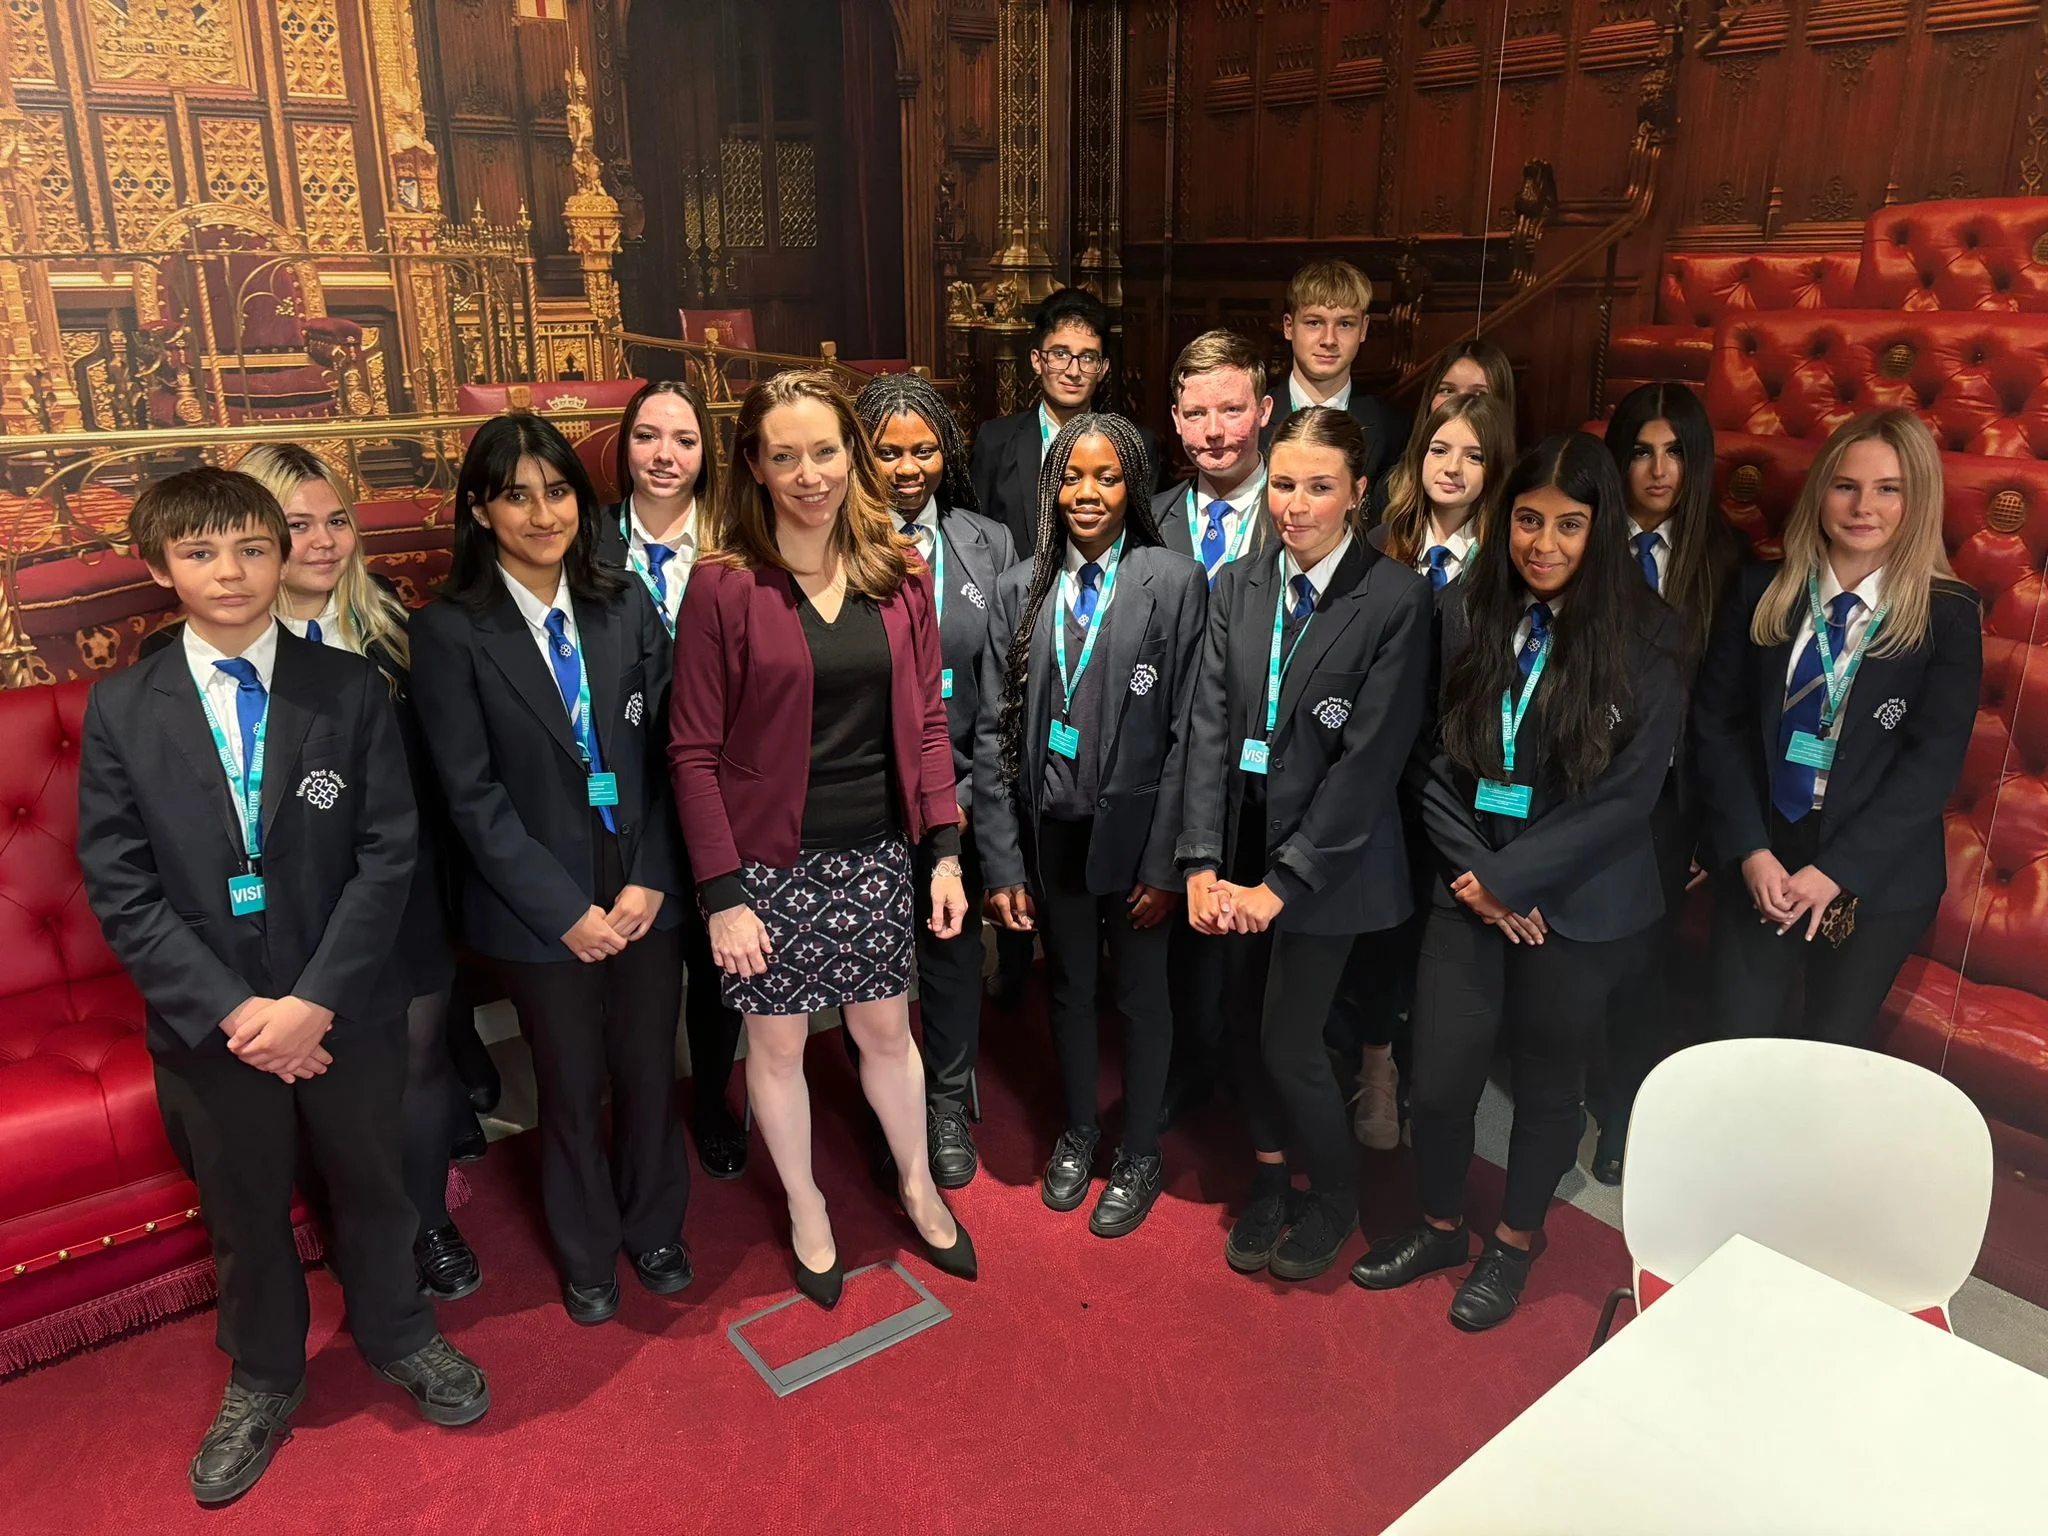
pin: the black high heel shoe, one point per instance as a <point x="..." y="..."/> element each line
<point x="957" y="1260"/>
<point x="822" y="1285"/>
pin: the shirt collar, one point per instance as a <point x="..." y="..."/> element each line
<point x="1075" y="559"/>
<point x="200" y="655"/>
<point x="1241" y="500"/>
<point x="1048" y="429"/>
<point x="328" y="618"/>
<point x="1298" y="399"/>
<point x="1869" y="591"/>
<point x="531" y="608"/>
<point x="1662" y="530"/>
<point x="682" y="537"/>
<point x="1459" y="543"/>
<point x="928" y="516"/>
<point x="1320" y="573"/>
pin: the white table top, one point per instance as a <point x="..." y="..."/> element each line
<point x="1756" y="1398"/>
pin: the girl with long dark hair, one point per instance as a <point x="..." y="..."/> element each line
<point x="1079" y="755"/>
<point x="1314" y="683"/>
<point x="1560" y="707"/>
<point x="540" y="673"/>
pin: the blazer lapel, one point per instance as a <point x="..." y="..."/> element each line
<point x="1250" y="655"/>
<point x="1042" y="686"/>
<point x="509" y="643"/>
<point x="1130" y="619"/>
<point x="1334" y="614"/>
<point x="1775" y="662"/>
<point x="967" y="565"/>
<point x="177" y="708"/>
<point x="603" y="653"/>
<point x="284" y="731"/>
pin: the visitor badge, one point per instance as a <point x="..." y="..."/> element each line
<point x="1066" y="740"/>
<point x="1252" y="759"/>
<point x="1810" y="751"/>
<point x="604" y="788"/>
<point x="245" y="895"/>
<point x="1502" y="799"/>
<point x="946" y="683"/>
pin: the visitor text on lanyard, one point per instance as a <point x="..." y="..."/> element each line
<point x="1251" y="758"/>
<point x="1805" y="748"/>
<point x="245" y="891"/>
<point x="1496" y="795"/>
<point x="1066" y="739"/>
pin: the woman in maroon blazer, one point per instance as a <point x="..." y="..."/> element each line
<point x="810" y="757"/>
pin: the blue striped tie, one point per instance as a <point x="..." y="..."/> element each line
<point x="1089" y="595"/>
<point x="659" y="555"/>
<point x="1792" y="784"/>
<point x="1539" y="636"/>
<point x="568" y="680"/>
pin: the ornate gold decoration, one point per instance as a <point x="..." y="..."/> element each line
<point x="1021" y="220"/>
<point x="28" y="51"/>
<point x="46" y="167"/>
<point x="31" y="398"/>
<point x="592" y="217"/>
<point x="1745" y="484"/>
<point x="330" y="194"/>
<point x="2006" y="513"/>
<point x="236" y="171"/>
<point x="796" y="193"/>
<point x="166" y="42"/>
<point x="746" y="200"/>
<point x="2035" y="155"/>
<point x="311" y="33"/>
<point x="1897" y="360"/>
<point x="137" y="151"/>
<point x="1098" y="223"/>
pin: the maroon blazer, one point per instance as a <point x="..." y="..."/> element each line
<point x="739" y="746"/>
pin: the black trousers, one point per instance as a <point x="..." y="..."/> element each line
<point x="1278" y="988"/>
<point x="1641" y="1017"/>
<point x="612" y="1023"/>
<point x="1073" y="922"/>
<point x="1195" y="990"/>
<point x="1756" y="968"/>
<point x="1552" y="1000"/>
<point x="433" y="1100"/>
<point x="949" y="990"/>
<point x="713" y="1029"/>
<point x="239" y="1133"/>
<point x="1376" y="994"/>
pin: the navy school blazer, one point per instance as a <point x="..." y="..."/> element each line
<point x="159" y="839"/>
<point x="513" y="777"/>
<point x="1352" y="702"/>
<point x="1904" y="732"/>
<point x="1148" y="663"/>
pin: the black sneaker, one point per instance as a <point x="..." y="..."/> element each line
<point x="954" y="1160"/>
<point x="447" y="1264"/>
<point x="1257" y="1232"/>
<point x="238" y="1445"/>
<point x="1490" y="1293"/>
<point x="1394" y="1261"/>
<point x="1065" y="1184"/>
<point x="1127" y="1198"/>
<point x="1319" y="1232"/>
<point x="446" y="1383"/>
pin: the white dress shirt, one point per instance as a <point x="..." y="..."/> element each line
<point x="1070" y="577"/>
<point x="220" y="688"/>
<point x="1298" y="399"/>
<point x="682" y="538"/>
<point x="329" y="622"/>
<point x="1459" y="544"/>
<point x="1318" y="574"/>
<point x="1243" y="503"/>
<point x="1869" y="596"/>
<point x="1664" y="549"/>
<point x="535" y="612"/>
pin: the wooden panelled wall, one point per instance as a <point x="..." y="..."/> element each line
<point x="1261" y="132"/>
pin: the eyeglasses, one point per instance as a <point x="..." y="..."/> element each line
<point x="1063" y="358"/>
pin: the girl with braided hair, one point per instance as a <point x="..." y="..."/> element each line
<point x="1079" y="755"/>
<point x="923" y="460"/>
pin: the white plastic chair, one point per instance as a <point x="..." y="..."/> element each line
<point x="1867" y="1168"/>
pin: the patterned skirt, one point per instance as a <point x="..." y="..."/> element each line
<point x="842" y="927"/>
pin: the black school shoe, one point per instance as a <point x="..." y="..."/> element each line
<point x="1067" y="1175"/>
<point x="1395" y="1261"/>
<point x="590" y="1305"/>
<point x="721" y="1142"/>
<point x="666" y="1269"/>
<point x="237" y="1447"/>
<point x="448" y="1386"/>
<point x="1326" y="1221"/>
<point x="953" y="1158"/>
<point x="1490" y="1293"/>
<point x="447" y="1264"/>
<point x="1134" y="1183"/>
<point x="1257" y="1232"/>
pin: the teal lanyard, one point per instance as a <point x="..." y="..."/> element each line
<point x="248" y="794"/>
<point x="1276" y="669"/>
<point x="1059" y="632"/>
<point x="1511" y="710"/>
<point x="1838" y="684"/>
<point x="1235" y="547"/>
<point x="581" y="719"/>
<point x="938" y="576"/>
<point x="642" y="569"/>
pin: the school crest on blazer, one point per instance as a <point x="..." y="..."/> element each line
<point x="1333" y="712"/>
<point x="973" y="594"/>
<point x="322" y="789"/>
<point x="1143" y="676"/>
<point x="635" y="707"/>
<point x="1890" y="713"/>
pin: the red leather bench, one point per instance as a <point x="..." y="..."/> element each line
<point x="1961" y="253"/>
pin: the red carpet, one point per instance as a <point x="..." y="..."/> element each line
<point x="1082" y="1386"/>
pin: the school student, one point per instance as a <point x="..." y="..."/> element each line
<point x="540" y="674"/>
<point x="1560" y="705"/>
<point x="923" y="461"/>
<point x="1314" y="683"/>
<point x="653" y="537"/>
<point x="815" y="783"/>
<point x="1220" y="407"/>
<point x="246" y="832"/>
<point x="1830" y="723"/>
<point x="1324" y="324"/>
<point x="1663" y="445"/>
<point x="1078" y="760"/>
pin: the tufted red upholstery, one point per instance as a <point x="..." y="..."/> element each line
<point x="1956" y="254"/>
<point x="1980" y="382"/>
<point x="1702" y="290"/>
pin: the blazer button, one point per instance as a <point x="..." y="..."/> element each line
<point x="1102" y="804"/>
<point x="1278" y="765"/>
<point x="1276" y="826"/>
